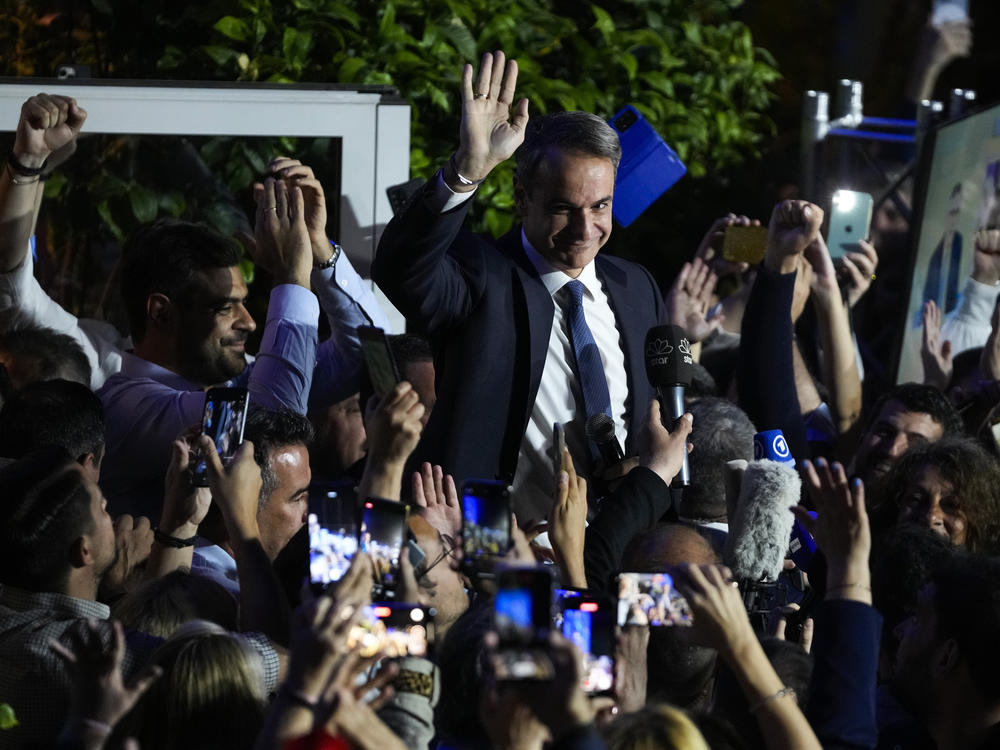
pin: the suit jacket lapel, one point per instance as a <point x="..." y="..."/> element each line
<point x="631" y="322"/>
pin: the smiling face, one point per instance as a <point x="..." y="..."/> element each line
<point x="566" y="210"/>
<point x="930" y="500"/>
<point x="213" y="327"/>
<point x="893" y="431"/>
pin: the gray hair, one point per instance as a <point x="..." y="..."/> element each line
<point x="572" y="132"/>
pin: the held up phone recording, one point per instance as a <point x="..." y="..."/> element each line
<point x="394" y="630"/>
<point x="486" y="522"/>
<point x="333" y="532"/>
<point x="379" y="362"/>
<point x="381" y="534"/>
<point x="742" y="244"/>
<point x="850" y="221"/>
<point x="651" y="599"/>
<point x="223" y="420"/>
<point x="522" y="616"/>
<point x="587" y="620"/>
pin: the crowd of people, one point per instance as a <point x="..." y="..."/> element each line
<point x="140" y="610"/>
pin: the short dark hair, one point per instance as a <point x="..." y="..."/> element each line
<point x="53" y="412"/>
<point x="972" y="472"/>
<point x="409" y="347"/>
<point x="45" y="508"/>
<point x="967" y="604"/>
<point x="55" y="354"/>
<point x="922" y="399"/>
<point x="721" y="432"/>
<point x="270" y="429"/>
<point x="569" y="132"/>
<point x="163" y="257"/>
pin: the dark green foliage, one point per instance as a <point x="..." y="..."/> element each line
<point x="690" y="68"/>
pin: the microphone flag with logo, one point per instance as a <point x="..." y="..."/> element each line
<point x="670" y="368"/>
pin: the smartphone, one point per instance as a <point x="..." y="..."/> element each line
<point x="522" y="616"/>
<point x="381" y="534"/>
<point x="486" y="519"/>
<point x="742" y="244"/>
<point x="333" y="532"/>
<point x="648" y="167"/>
<point x="558" y="447"/>
<point x="949" y="11"/>
<point x="850" y="221"/>
<point x="588" y="620"/>
<point x="393" y="630"/>
<point x="223" y="420"/>
<point x="379" y="362"/>
<point x="651" y="599"/>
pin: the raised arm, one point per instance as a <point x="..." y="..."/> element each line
<point x="847" y="630"/>
<point x="412" y="265"/>
<point x="47" y="124"/>
<point x="721" y="622"/>
<point x="766" y="370"/>
<point x="347" y="300"/>
<point x="840" y="366"/>
<point x="236" y="490"/>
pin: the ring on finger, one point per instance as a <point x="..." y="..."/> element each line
<point x="481" y="96"/>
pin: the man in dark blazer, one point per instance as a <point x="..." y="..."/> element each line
<point x="495" y="310"/>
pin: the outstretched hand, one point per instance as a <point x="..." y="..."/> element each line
<point x="490" y="132"/>
<point x="436" y="499"/>
<point x="281" y="239"/>
<point x="841" y="528"/>
<point x="934" y="353"/>
<point x="99" y="693"/>
<point x="689" y="299"/>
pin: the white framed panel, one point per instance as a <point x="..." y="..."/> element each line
<point x="368" y="122"/>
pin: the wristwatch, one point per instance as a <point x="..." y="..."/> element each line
<point x="332" y="262"/>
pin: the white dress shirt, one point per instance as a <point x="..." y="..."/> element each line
<point x="560" y="398"/>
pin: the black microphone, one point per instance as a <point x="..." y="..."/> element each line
<point x="600" y="429"/>
<point x="670" y="367"/>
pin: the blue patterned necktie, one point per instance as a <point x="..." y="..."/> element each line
<point x="589" y="368"/>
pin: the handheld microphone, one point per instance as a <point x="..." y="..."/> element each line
<point x="670" y="367"/>
<point x="600" y="429"/>
<point x="759" y="532"/>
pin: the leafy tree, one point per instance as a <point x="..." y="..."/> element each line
<point x="687" y="65"/>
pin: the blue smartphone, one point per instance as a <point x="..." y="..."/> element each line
<point x="649" y="167"/>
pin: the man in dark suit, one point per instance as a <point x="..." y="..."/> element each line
<point x="534" y="328"/>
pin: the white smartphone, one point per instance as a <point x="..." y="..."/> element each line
<point x="850" y="221"/>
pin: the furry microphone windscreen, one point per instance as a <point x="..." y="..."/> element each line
<point x="760" y="531"/>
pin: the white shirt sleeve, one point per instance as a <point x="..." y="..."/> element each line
<point x="968" y="326"/>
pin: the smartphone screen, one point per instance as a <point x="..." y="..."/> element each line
<point x="744" y="244"/>
<point x="651" y="599"/>
<point x="380" y="535"/>
<point x="850" y="221"/>
<point x="223" y="420"/>
<point x="485" y="519"/>
<point x="522" y="616"/>
<point x="379" y="362"/>
<point x="333" y="532"/>
<point x="588" y="621"/>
